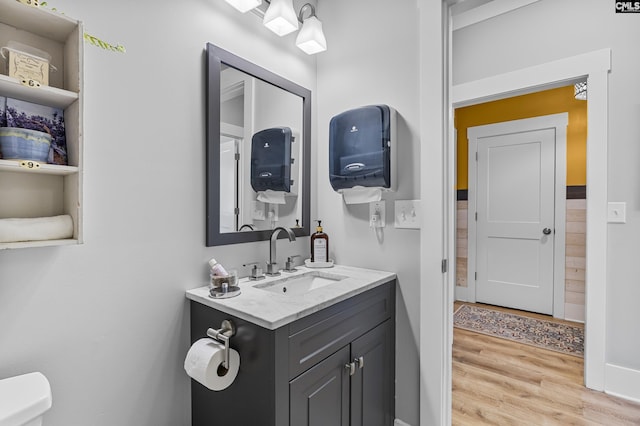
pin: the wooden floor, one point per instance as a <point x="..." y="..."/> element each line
<point x="500" y="382"/>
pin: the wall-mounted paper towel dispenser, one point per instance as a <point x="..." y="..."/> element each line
<point x="271" y="160"/>
<point x="362" y="145"/>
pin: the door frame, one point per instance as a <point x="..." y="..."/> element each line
<point x="558" y="122"/>
<point x="594" y="67"/>
<point x="438" y="97"/>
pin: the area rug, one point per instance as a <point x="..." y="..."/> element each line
<point x="557" y="337"/>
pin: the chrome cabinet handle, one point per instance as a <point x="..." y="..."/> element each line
<point x="351" y="367"/>
<point x="359" y="361"/>
<point x="546" y="231"/>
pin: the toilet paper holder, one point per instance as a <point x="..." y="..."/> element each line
<point x="223" y="335"/>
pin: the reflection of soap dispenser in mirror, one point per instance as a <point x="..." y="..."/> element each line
<point x="319" y="245"/>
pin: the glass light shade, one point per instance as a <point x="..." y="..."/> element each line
<point x="280" y="17"/>
<point x="311" y="38"/>
<point x="580" y="91"/>
<point x="244" y="5"/>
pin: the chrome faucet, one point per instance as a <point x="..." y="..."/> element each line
<point x="272" y="266"/>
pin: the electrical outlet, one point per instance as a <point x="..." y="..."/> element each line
<point x="272" y="213"/>
<point x="407" y="214"/>
<point x="257" y="210"/>
<point x="377" y="214"/>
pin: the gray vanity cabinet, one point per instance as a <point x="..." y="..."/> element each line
<point x="371" y="402"/>
<point x="320" y="396"/>
<point x="353" y="387"/>
<point x="334" y="367"/>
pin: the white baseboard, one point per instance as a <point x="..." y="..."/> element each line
<point x="399" y="422"/>
<point x="622" y="382"/>
<point x="573" y="312"/>
<point x="461" y="295"/>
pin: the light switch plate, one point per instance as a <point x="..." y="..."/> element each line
<point x="617" y="213"/>
<point x="377" y="214"/>
<point x="407" y="214"/>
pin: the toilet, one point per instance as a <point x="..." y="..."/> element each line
<point x="24" y="399"/>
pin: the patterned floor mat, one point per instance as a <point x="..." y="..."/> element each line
<point x="557" y="337"/>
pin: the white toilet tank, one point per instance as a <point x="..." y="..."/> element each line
<point x="24" y="399"/>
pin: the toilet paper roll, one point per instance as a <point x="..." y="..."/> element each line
<point x="273" y="197"/>
<point x="360" y="195"/>
<point x="204" y="364"/>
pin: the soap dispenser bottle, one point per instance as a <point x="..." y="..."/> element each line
<point x="319" y="245"/>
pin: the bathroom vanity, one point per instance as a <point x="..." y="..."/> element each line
<point x="322" y="355"/>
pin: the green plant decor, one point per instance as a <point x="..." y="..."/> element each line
<point x="93" y="40"/>
<point x="103" y="44"/>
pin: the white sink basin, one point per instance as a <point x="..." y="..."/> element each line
<point x="301" y="284"/>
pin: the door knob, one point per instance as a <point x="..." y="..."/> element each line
<point x="546" y="231"/>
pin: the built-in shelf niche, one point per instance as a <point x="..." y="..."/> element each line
<point x="51" y="189"/>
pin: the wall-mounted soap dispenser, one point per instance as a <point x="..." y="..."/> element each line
<point x="271" y="160"/>
<point x="362" y="153"/>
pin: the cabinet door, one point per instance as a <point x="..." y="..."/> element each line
<point x="372" y="386"/>
<point x="320" y="396"/>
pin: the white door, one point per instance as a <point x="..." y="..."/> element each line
<point x="228" y="184"/>
<point x="515" y="205"/>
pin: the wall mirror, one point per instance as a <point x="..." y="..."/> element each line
<point x="258" y="151"/>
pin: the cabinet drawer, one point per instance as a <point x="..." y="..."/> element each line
<point x="317" y="336"/>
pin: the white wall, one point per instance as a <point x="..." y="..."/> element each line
<point x="107" y="322"/>
<point x="550" y="30"/>
<point x="372" y="58"/>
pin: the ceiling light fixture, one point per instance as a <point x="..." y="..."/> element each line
<point x="280" y="17"/>
<point x="311" y="38"/>
<point x="580" y="90"/>
<point x="244" y="5"/>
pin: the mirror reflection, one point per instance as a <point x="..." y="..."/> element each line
<point x="258" y="151"/>
<point x="260" y="154"/>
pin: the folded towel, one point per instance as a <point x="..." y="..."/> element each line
<point x="360" y="195"/>
<point x="273" y="197"/>
<point x="36" y="229"/>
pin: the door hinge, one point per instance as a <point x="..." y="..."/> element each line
<point x="476" y="155"/>
<point x="476" y="216"/>
<point x="475" y="276"/>
<point x="236" y="211"/>
<point x="237" y="157"/>
<point x="444" y="266"/>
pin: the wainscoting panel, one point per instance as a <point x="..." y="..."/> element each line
<point x="575" y="250"/>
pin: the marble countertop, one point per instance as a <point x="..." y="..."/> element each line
<point x="273" y="310"/>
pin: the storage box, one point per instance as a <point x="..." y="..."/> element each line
<point x="24" y="144"/>
<point x="26" y="62"/>
<point x="27" y="115"/>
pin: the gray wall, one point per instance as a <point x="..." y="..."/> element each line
<point x="372" y="58"/>
<point x="107" y="321"/>
<point x="550" y="30"/>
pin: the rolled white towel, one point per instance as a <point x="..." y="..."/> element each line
<point x="36" y="229"/>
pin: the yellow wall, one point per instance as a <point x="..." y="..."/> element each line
<point x="526" y="106"/>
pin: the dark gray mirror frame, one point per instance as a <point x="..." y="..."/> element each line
<point x="215" y="58"/>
